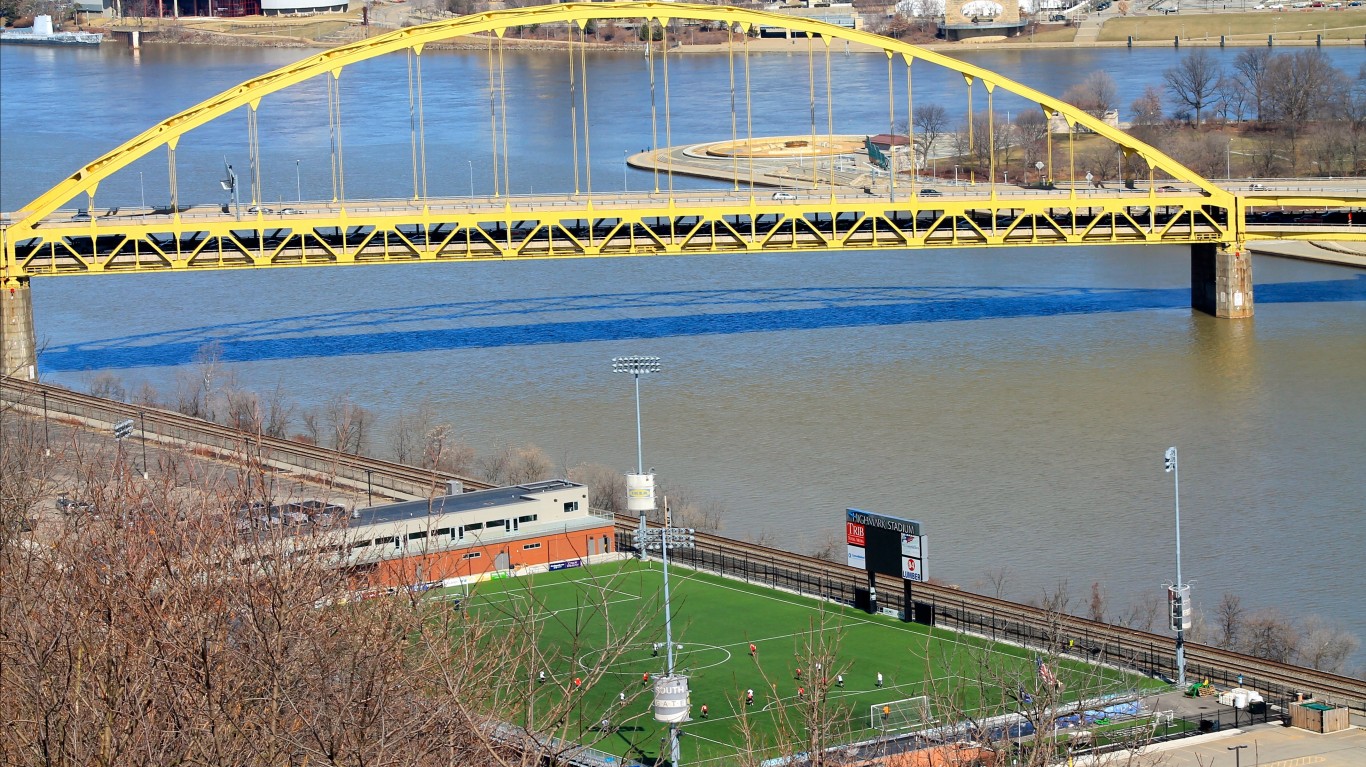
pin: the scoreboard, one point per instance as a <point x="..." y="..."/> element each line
<point x="885" y="545"/>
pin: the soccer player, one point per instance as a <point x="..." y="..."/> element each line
<point x="704" y="711"/>
<point x="749" y="697"/>
<point x="801" y="691"/>
<point x="645" y="679"/>
<point x="752" y="649"/>
<point x="578" y="683"/>
<point x="839" y="680"/>
<point x="541" y="677"/>
<point x="879" y="679"/>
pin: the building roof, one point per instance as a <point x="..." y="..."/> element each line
<point x="453" y="504"/>
<point x="890" y="140"/>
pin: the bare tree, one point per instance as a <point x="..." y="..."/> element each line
<point x="1147" y="108"/>
<point x="1252" y="72"/>
<point x="1096" y="610"/>
<point x="516" y="465"/>
<point x="1303" y="85"/>
<point x="1194" y="81"/>
<point x="1228" y="617"/>
<point x="1095" y="95"/>
<point x="156" y="632"/>
<point x="606" y="486"/>
<point x="106" y="385"/>
<point x="931" y="122"/>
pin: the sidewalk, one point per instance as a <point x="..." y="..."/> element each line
<point x="1340" y="253"/>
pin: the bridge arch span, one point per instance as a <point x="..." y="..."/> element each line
<point x="332" y="62"/>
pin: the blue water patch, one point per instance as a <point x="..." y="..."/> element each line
<point x="543" y="321"/>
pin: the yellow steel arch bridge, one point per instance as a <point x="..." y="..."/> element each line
<point x="1151" y="199"/>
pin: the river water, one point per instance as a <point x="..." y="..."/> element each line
<point x="1016" y="402"/>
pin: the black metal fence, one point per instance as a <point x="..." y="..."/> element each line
<point x="1141" y="652"/>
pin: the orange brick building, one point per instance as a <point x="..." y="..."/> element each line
<point x="422" y="542"/>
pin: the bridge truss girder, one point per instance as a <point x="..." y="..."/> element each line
<point x="418" y="233"/>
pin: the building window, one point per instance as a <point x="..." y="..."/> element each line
<point x="526" y="519"/>
<point x="570" y="506"/>
<point x="442" y="531"/>
<point x="474" y="526"/>
<point x="496" y="523"/>
<point x="360" y="544"/>
<point x="473" y="555"/>
<point x="384" y="540"/>
<point x="417" y="536"/>
<point x="530" y="546"/>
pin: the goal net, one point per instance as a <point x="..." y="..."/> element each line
<point x="900" y="715"/>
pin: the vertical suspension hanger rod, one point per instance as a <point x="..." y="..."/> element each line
<point x="493" y="119"/>
<point x="503" y="107"/>
<point x="574" y="109"/>
<point x="668" y="120"/>
<point x="583" y="88"/>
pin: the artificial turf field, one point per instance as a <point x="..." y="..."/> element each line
<point x="715" y="620"/>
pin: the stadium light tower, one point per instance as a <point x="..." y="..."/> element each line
<point x="1178" y="594"/>
<point x="640" y="487"/>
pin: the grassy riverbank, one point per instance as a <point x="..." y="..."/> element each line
<point x="1250" y="28"/>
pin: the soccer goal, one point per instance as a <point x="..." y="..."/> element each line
<point x="900" y="715"/>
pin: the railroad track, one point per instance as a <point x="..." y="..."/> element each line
<point x="171" y="430"/>
<point x="964" y="610"/>
<point x="1003" y="619"/>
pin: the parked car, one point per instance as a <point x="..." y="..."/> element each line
<point x="1255" y="187"/>
<point x="69" y="505"/>
<point x="259" y="209"/>
<point x="1168" y="188"/>
<point x="784" y="196"/>
<point x="930" y="193"/>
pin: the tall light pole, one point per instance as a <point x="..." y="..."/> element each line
<point x="298" y="184"/>
<point x="640" y="487"/>
<point x="671" y="692"/>
<point x="471" y="164"/>
<point x="624" y="167"/>
<point x="1237" y="762"/>
<point x="1178" y="595"/>
<point x="142" y="194"/>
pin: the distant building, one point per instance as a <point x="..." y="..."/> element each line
<point x="1057" y="123"/>
<point x="970" y="19"/>
<point x="544" y="523"/>
<point x="300" y="7"/>
<point x="840" y="14"/>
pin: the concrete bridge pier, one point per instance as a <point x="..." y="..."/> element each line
<point x="1221" y="280"/>
<point x="18" y="348"/>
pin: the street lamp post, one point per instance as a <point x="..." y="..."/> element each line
<point x="471" y="164"/>
<point x="1179" y="593"/>
<point x="47" y="437"/>
<point x="666" y="538"/>
<point x="369" y="489"/>
<point x="624" y="167"/>
<point x="142" y="418"/>
<point x="298" y="184"/>
<point x="1237" y="751"/>
<point x="637" y="366"/>
<point x="955" y="174"/>
<point x="142" y="194"/>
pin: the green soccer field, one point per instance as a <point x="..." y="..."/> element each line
<point x="615" y="611"/>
